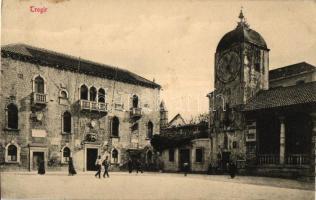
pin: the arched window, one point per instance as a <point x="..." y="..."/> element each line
<point x="101" y="95"/>
<point x="66" y="154"/>
<point x="150" y="130"/>
<point x="93" y="94"/>
<point x="114" y="156"/>
<point x="66" y="122"/>
<point x="135" y="101"/>
<point x="84" y="92"/>
<point x="63" y="94"/>
<point x="115" y="127"/>
<point x="149" y="156"/>
<point x="39" y="85"/>
<point x="12" y="152"/>
<point x="12" y="116"/>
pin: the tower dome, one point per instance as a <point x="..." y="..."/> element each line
<point x="242" y="33"/>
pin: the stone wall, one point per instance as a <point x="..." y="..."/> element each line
<point x="17" y="87"/>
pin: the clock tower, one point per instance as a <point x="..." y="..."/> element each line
<point x="241" y="71"/>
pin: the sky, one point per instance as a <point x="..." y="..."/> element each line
<point x="173" y="42"/>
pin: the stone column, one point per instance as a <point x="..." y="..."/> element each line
<point x="282" y="140"/>
<point x="313" y="146"/>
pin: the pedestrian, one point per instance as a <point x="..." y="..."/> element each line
<point x="130" y="165"/>
<point x="139" y="166"/>
<point x="41" y="166"/>
<point x="71" y="168"/>
<point x="232" y="169"/>
<point x="186" y="168"/>
<point x="98" y="163"/>
<point x="106" y="165"/>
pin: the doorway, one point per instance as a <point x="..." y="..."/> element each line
<point x="37" y="156"/>
<point x="92" y="154"/>
<point x="184" y="158"/>
<point x="225" y="159"/>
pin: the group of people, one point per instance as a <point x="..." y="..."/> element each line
<point x="137" y="165"/>
<point x="41" y="167"/>
<point x="99" y="163"/>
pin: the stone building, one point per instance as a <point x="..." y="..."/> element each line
<point x="187" y="143"/>
<point x="56" y="106"/>
<point x="264" y="120"/>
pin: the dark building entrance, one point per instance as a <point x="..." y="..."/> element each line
<point x="184" y="157"/>
<point x="37" y="157"/>
<point x="92" y="154"/>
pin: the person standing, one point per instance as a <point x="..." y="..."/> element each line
<point x="106" y="165"/>
<point x="232" y="169"/>
<point x="71" y="168"/>
<point x="98" y="163"/>
<point x="186" y="168"/>
<point x="130" y="165"/>
<point x="41" y="166"/>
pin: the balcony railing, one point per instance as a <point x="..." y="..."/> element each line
<point x="93" y="106"/>
<point x="39" y="98"/>
<point x="297" y="159"/>
<point x="135" y="112"/>
<point x="290" y="159"/>
<point x="268" y="159"/>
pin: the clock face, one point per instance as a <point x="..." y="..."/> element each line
<point x="228" y="67"/>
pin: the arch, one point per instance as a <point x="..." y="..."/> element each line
<point x="115" y="127"/>
<point x="150" y="130"/>
<point x="65" y="154"/>
<point x="101" y="95"/>
<point x="114" y="156"/>
<point x="39" y="84"/>
<point x="63" y="94"/>
<point x="135" y="101"/>
<point x="93" y="94"/>
<point x="12" y="153"/>
<point x="12" y="116"/>
<point x="84" y="91"/>
<point x="66" y="122"/>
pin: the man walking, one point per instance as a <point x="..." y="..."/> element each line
<point x="106" y="165"/>
<point x="98" y="163"/>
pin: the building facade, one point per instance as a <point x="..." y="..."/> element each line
<point x="57" y="106"/>
<point x="263" y="120"/>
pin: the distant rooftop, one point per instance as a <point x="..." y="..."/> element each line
<point x="291" y="70"/>
<point x="71" y="63"/>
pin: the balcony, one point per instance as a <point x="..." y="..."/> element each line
<point x="93" y="106"/>
<point x="290" y="159"/>
<point x="135" y="113"/>
<point x="39" y="98"/>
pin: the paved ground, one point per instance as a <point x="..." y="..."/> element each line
<point x="57" y="185"/>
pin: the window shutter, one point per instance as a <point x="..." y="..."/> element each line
<point x="110" y="119"/>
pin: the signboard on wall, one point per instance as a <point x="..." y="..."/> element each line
<point x="39" y="133"/>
